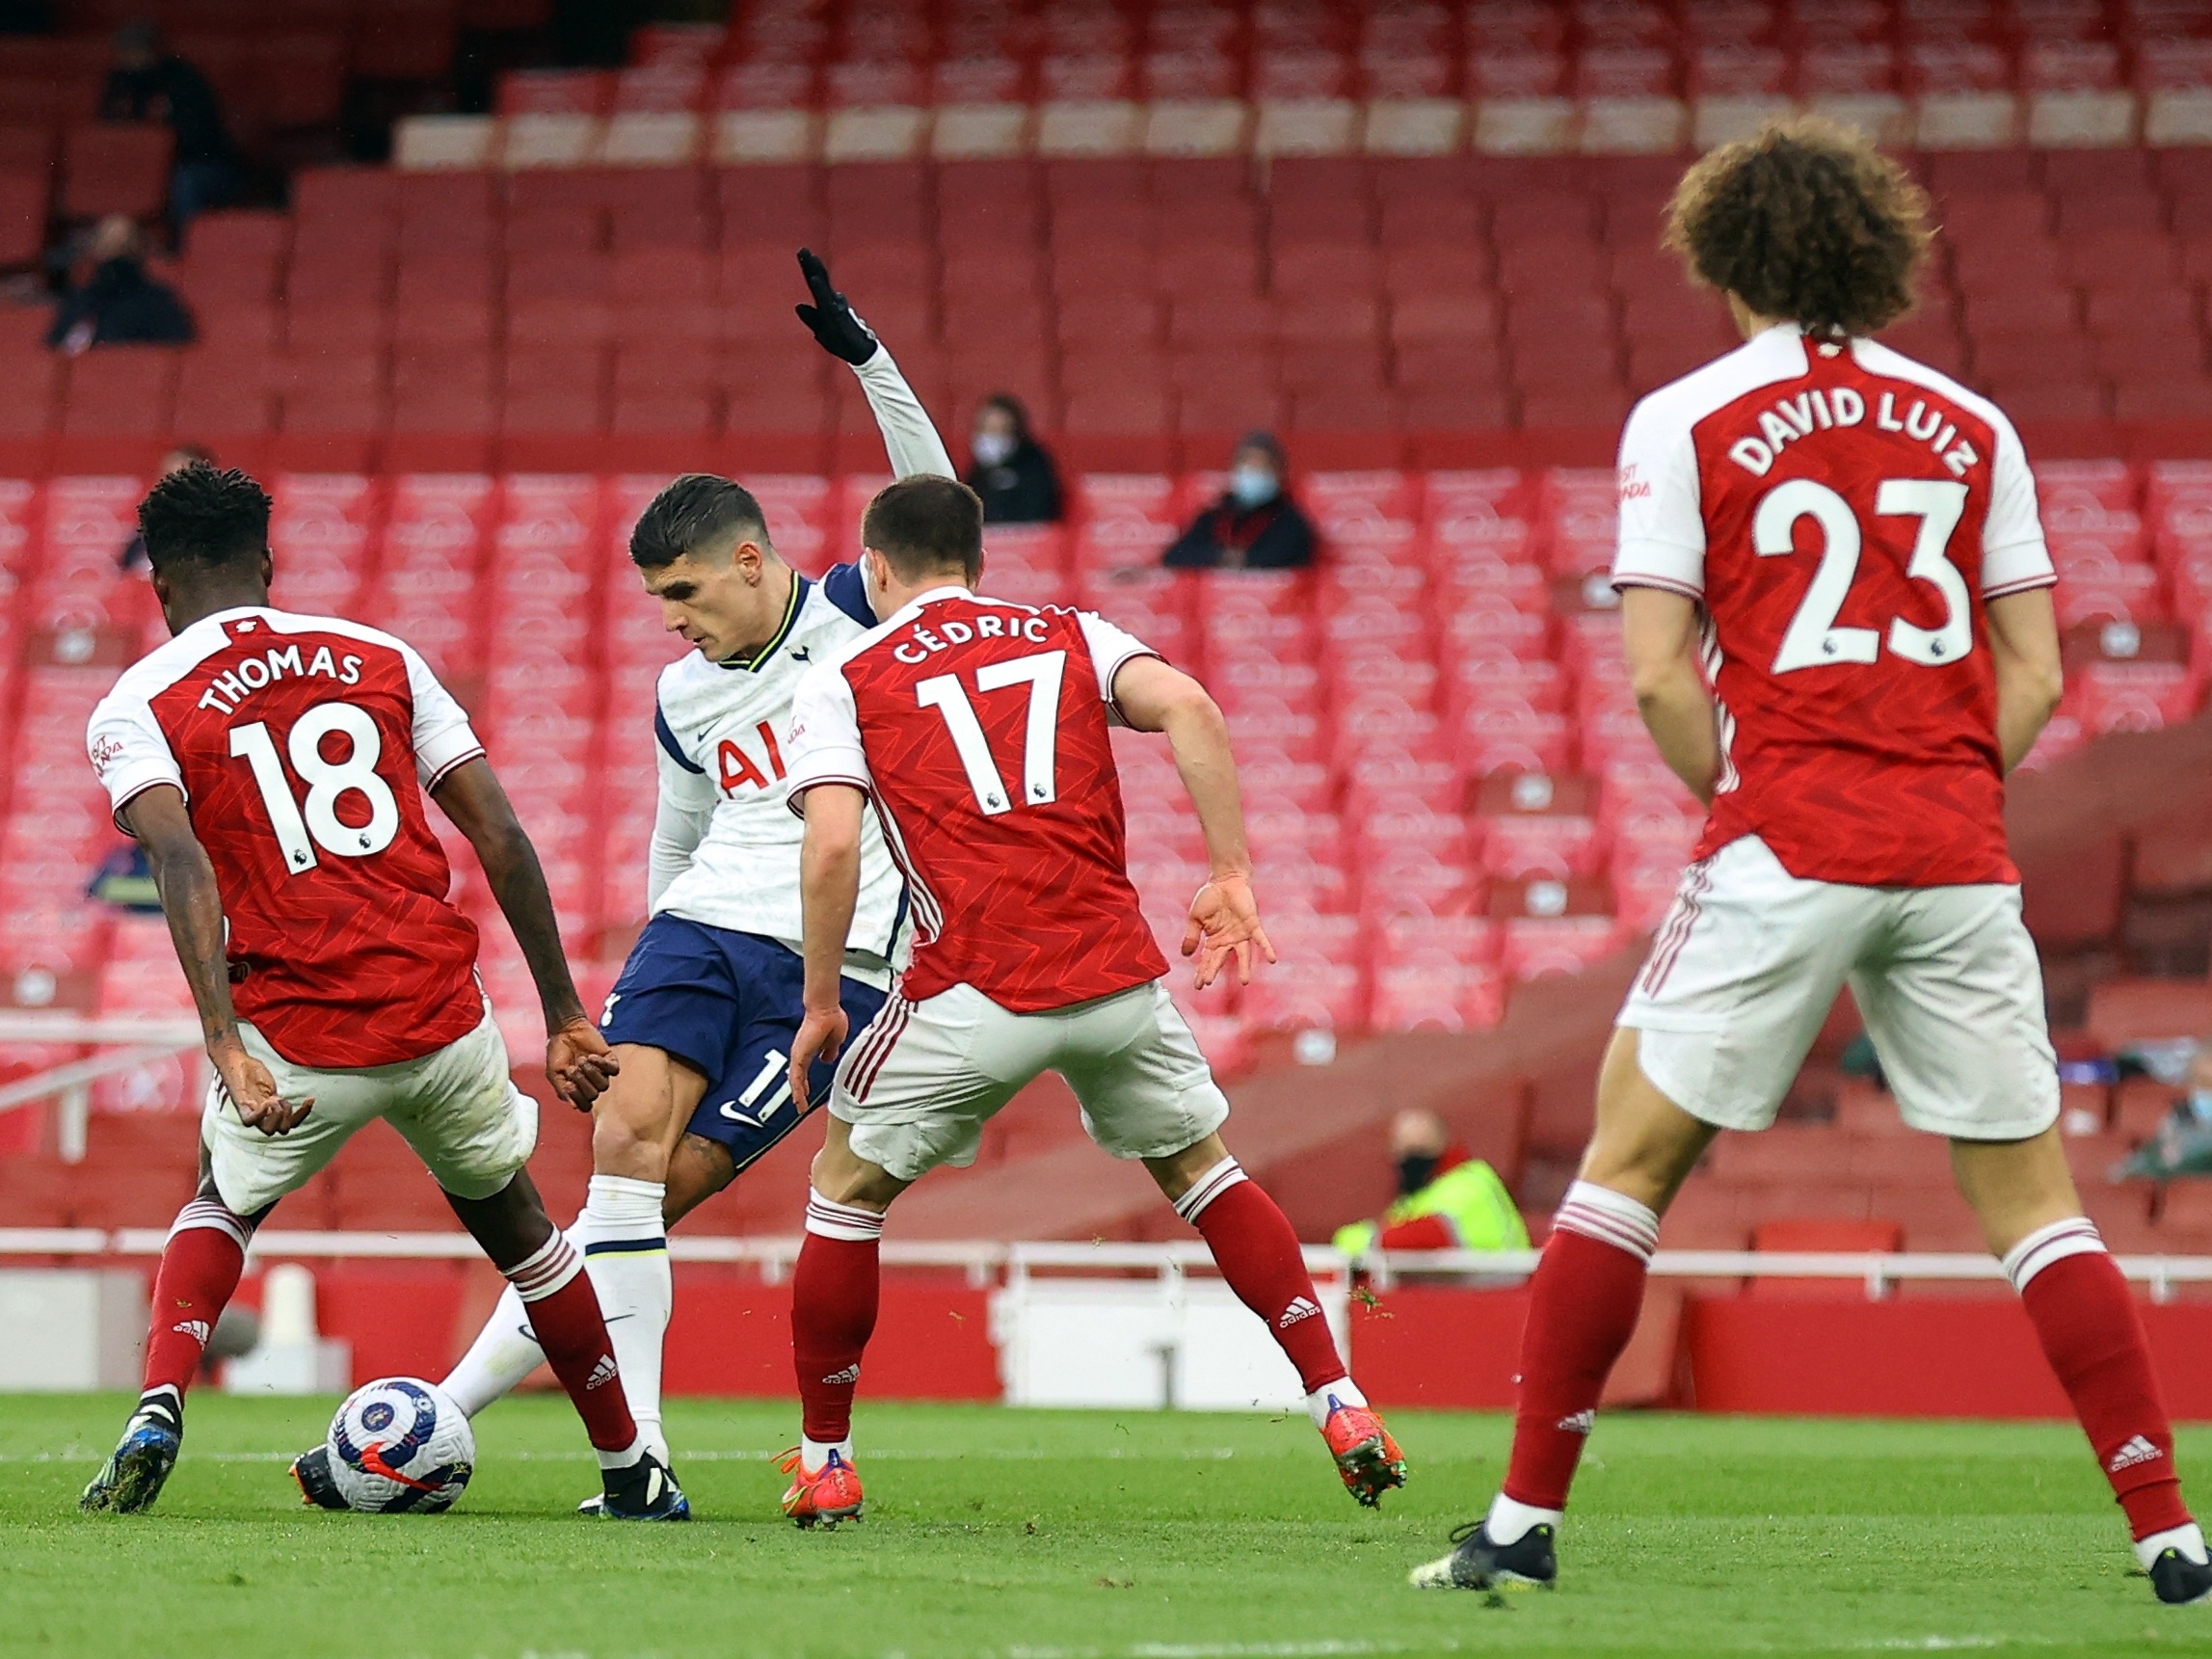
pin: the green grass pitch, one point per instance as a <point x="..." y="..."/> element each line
<point x="1020" y="1535"/>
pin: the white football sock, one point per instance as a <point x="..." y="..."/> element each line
<point x="1509" y="1523"/>
<point x="2189" y="1539"/>
<point x="628" y="1260"/>
<point x="814" y="1454"/>
<point x="1343" y="1391"/>
<point x="504" y="1353"/>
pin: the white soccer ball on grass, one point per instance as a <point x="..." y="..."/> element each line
<point x="400" y="1445"/>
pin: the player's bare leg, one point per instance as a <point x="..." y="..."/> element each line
<point x="200" y="1265"/>
<point x="1582" y="1307"/>
<point x="2086" y="1319"/>
<point x="1258" y="1254"/>
<point x="833" y="1292"/>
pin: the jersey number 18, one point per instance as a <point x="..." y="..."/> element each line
<point x="303" y="826"/>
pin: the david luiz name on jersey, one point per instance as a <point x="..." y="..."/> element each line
<point x="1815" y="410"/>
<point x="919" y="642"/>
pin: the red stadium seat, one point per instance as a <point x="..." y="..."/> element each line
<point x="108" y="168"/>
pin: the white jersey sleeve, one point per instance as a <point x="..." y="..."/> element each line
<point x="681" y="815"/>
<point x="443" y="739"/>
<point x="1111" y="648"/>
<point x="1661" y="522"/>
<point x="130" y="754"/>
<point x="908" y="436"/>
<point x="825" y="742"/>
<point x="2013" y="556"/>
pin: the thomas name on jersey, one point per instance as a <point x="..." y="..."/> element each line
<point x="251" y="673"/>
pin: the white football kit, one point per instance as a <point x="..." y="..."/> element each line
<point x="725" y="845"/>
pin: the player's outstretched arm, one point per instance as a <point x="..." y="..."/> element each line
<point x="908" y="436"/>
<point x="194" y="907"/>
<point x="1658" y="633"/>
<point x="829" y="890"/>
<point x="578" y="1061"/>
<point x="2024" y="647"/>
<point x="1224" y="916"/>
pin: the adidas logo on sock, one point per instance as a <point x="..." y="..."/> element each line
<point x="1299" y="1308"/>
<point x="850" y="1373"/>
<point x="2138" y="1450"/>
<point x="1577" y="1423"/>
<point x="603" y="1373"/>
<point x="199" y="1329"/>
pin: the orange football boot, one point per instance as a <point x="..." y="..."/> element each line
<point x="825" y="1496"/>
<point x="1368" y="1459"/>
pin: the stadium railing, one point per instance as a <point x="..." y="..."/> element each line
<point x="988" y="1262"/>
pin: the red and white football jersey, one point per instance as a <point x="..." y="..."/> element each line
<point x="303" y="746"/>
<point x="980" y="730"/>
<point x="1843" y="512"/>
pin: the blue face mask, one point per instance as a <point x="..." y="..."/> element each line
<point x="1253" y="487"/>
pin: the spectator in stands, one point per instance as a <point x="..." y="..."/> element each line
<point x="176" y="461"/>
<point x="1009" y="468"/>
<point x="111" y="301"/>
<point x="1447" y="1200"/>
<point x="152" y="84"/>
<point x="1255" y="525"/>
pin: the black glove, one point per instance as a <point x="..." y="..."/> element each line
<point x="831" y="316"/>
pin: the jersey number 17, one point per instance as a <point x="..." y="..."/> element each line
<point x="1043" y="674"/>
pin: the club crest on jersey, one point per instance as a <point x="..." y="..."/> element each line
<point x="250" y="674"/>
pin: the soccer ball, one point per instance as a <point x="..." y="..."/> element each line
<point x="400" y="1445"/>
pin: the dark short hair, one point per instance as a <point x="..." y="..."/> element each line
<point x="696" y="509"/>
<point x="927" y="526"/>
<point x="1010" y="406"/>
<point x="1804" y="222"/>
<point x="201" y="515"/>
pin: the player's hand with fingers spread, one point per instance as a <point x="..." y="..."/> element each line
<point x="832" y="318"/>
<point x="579" y="1063"/>
<point x="821" y="1034"/>
<point x="1225" y="922"/>
<point x="246" y="1081"/>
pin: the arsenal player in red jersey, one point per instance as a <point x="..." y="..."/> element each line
<point x="1838" y="621"/>
<point x="275" y="767"/>
<point x="978" y="730"/>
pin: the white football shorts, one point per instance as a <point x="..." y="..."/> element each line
<point x="456" y="1106"/>
<point x="1749" y="960"/>
<point x="920" y="1084"/>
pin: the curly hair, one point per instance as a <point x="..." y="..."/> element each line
<point x="199" y="514"/>
<point x="1806" y="222"/>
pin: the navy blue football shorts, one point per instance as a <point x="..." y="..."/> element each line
<point x="728" y="1004"/>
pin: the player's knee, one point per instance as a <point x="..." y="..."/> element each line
<point x="840" y="1176"/>
<point x="622" y="1146"/>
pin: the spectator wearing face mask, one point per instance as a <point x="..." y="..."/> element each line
<point x="1255" y="525"/>
<point x="111" y="301"/>
<point x="1445" y="1200"/>
<point x="1009" y="468"/>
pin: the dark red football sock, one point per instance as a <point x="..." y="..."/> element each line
<point x="1258" y="1253"/>
<point x="565" y="1314"/>
<point x="833" y="1292"/>
<point x="2086" y="1319"/>
<point x="198" y="1276"/>
<point x="1583" y="1305"/>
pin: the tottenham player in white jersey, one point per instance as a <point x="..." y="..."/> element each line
<point x="704" y="1014"/>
